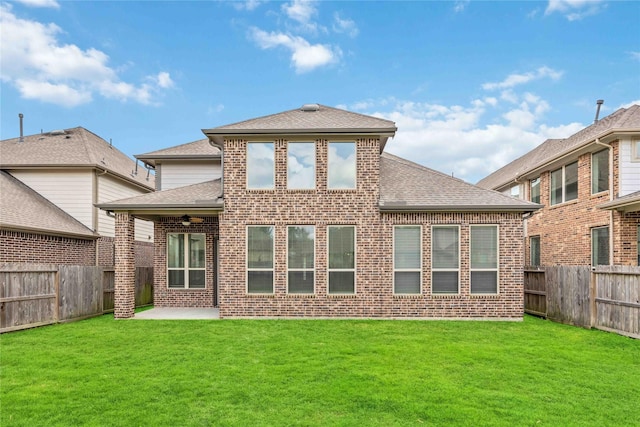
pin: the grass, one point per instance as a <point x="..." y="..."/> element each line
<point x="314" y="372"/>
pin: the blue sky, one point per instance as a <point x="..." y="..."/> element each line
<point x="470" y="85"/>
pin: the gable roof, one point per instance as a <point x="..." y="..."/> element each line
<point x="407" y="186"/>
<point x="628" y="203"/>
<point x="622" y="120"/>
<point x="200" y="149"/>
<point x="310" y="119"/>
<point x="24" y="209"/>
<point x="70" y="148"/>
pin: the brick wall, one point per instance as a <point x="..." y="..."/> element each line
<point x="166" y="297"/>
<point x="565" y="229"/>
<point x="39" y="248"/>
<point x="106" y="252"/>
<point x="374" y="258"/>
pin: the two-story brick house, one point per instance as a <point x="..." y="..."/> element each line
<point x="589" y="185"/>
<point x="308" y="217"/>
<point x="62" y="174"/>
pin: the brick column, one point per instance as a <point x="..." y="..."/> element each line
<point x="125" y="266"/>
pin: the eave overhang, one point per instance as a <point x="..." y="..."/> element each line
<point x="400" y="208"/>
<point x="42" y="231"/>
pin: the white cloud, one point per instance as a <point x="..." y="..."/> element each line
<point x="40" y="67"/>
<point x="346" y="26"/>
<point x="460" y="6"/>
<point x="304" y="56"/>
<point x="248" y="5"/>
<point x="519" y="79"/>
<point x="300" y="10"/>
<point x="634" y="55"/>
<point x="40" y="3"/>
<point x="574" y="10"/>
<point x="629" y="104"/>
<point x="469" y="141"/>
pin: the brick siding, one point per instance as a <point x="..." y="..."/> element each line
<point x="106" y="253"/>
<point x="171" y="297"/>
<point x="565" y="229"/>
<point x="374" y="257"/>
<point x="40" y="248"/>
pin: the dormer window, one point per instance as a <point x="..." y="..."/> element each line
<point x="342" y="165"/>
<point x="301" y="165"/>
<point x="260" y="165"/>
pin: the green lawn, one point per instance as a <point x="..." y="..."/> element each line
<point x="317" y="372"/>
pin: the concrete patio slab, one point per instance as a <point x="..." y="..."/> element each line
<point x="165" y="313"/>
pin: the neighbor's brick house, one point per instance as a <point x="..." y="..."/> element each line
<point x="306" y="216"/>
<point x="50" y="183"/>
<point x="589" y="185"/>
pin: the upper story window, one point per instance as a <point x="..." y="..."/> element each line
<point x="600" y="171"/>
<point x="564" y="184"/>
<point x="260" y="165"/>
<point x="342" y="165"/>
<point x="301" y="165"/>
<point x="535" y="190"/>
<point x="186" y="260"/>
<point x="515" y="191"/>
<point x="635" y="151"/>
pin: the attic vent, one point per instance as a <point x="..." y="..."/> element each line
<point x="57" y="132"/>
<point x="310" y="107"/>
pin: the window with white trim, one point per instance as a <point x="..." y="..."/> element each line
<point x="445" y="259"/>
<point x="260" y="165"/>
<point x="186" y="254"/>
<point x="342" y="259"/>
<point x="341" y="172"/>
<point x="600" y="246"/>
<point x="301" y="165"/>
<point x="300" y="259"/>
<point x="484" y="259"/>
<point x="407" y="259"/>
<point x="600" y="171"/>
<point x="260" y="250"/>
<point x="534" y="250"/>
<point x="535" y="190"/>
<point x="564" y="184"/>
<point x="635" y="151"/>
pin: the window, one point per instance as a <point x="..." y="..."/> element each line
<point x="535" y="190"/>
<point x="600" y="171"/>
<point x="635" y="151"/>
<point x="445" y="259"/>
<point x="534" y="250"/>
<point x="600" y="246"/>
<point x="484" y="259"/>
<point x="407" y="259"/>
<point x="186" y="260"/>
<point x="260" y="259"/>
<point x="342" y="259"/>
<point x="301" y="165"/>
<point x="300" y="259"/>
<point x="342" y="165"/>
<point x="260" y="165"/>
<point x="564" y="184"/>
<point x="515" y="191"/>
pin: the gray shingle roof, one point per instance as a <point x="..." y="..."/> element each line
<point x="75" y="147"/>
<point x="202" y="195"/>
<point x="407" y="186"/>
<point x="22" y="208"/>
<point x="551" y="149"/>
<point x="200" y="149"/>
<point x="621" y="202"/>
<point x="325" y="118"/>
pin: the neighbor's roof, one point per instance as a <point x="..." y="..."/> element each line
<point x="70" y="148"/>
<point x="624" y="119"/>
<point x="200" y="149"/>
<point x="205" y="195"/>
<point x="407" y="186"/>
<point x="628" y="203"/>
<point x="23" y="209"/>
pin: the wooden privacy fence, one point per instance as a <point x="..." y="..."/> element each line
<point x="607" y="297"/>
<point x="35" y="294"/>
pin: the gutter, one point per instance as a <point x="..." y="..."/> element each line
<point x="460" y="208"/>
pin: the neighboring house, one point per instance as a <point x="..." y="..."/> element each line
<point x="589" y="185"/>
<point x="72" y="169"/>
<point x="311" y="219"/>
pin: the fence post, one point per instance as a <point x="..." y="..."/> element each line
<point x="592" y="298"/>
<point x="56" y="285"/>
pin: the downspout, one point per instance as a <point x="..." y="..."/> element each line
<point x="611" y="234"/>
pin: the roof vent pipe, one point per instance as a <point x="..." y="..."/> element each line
<point x="21" y="129"/>
<point x="599" y="102"/>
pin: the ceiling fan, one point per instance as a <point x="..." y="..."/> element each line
<point x="188" y="220"/>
